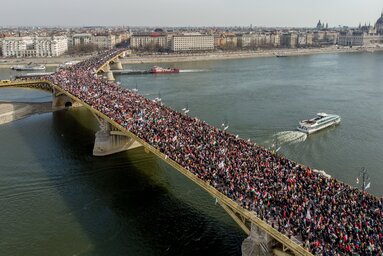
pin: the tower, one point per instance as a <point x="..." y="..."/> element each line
<point x="319" y="25"/>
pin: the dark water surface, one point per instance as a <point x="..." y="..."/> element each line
<point x="57" y="199"/>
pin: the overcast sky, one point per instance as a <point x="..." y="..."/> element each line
<point x="281" y="13"/>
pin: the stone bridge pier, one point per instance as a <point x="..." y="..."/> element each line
<point x="110" y="140"/>
<point x="258" y="243"/>
<point x="61" y="100"/>
<point x="116" y="65"/>
<point x="113" y="65"/>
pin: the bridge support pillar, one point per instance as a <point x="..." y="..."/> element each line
<point x="110" y="76"/>
<point x="106" y="68"/>
<point x="109" y="141"/>
<point x="257" y="243"/>
<point x="117" y="65"/>
<point x="60" y="100"/>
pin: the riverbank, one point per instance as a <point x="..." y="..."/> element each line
<point x="12" y="111"/>
<point x="241" y="55"/>
<point x="48" y="62"/>
<point x="184" y="57"/>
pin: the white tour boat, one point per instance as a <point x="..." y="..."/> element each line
<point x="321" y="121"/>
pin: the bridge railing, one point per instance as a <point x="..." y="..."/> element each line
<point x="35" y="84"/>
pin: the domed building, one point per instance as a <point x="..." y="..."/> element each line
<point x="366" y="35"/>
<point x="159" y="30"/>
<point x="379" y="25"/>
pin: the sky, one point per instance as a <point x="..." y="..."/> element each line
<point x="161" y="13"/>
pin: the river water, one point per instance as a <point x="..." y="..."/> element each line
<point x="57" y="199"/>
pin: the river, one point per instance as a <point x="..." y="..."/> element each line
<point x="57" y="199"/>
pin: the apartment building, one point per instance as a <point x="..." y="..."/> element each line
<point x="153" y="40"/>
<point x="50" y="46"/>
<point x="192" y="42"/>
<point x="107" y="41"/>
<point x="34" y="47"/>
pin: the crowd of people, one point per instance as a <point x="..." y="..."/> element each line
<point x="327" y="216"/>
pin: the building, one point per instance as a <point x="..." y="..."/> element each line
<point x="351" y="38"/>
<point x="149" y="41"/>
<point x="34" y="47"/>
<point x="225" y="41"/>
<point x="379" y="25"/>
<point x="325" y="37"/>
<point x="359" y="38"/>
<point x="16" y="46"/>
<point x="124" y="36"/>
<point x="289" y="40"/>
<point x="318" y="37"/>
<point x="372" y="40"/>
<point x="366" y="35"/>
<point x="302" y="40"/>
<point x="104" y="41"/>
<point x="321" y="26"/>
<point x="50" y="46"/>
<point x="79" y="40"/>
<point x="309" y="39"/>
<point x="255" y="40"/>
<point x="331" y="37"/>
<point x="275" y="39"/>
<point x="192" y="42"/>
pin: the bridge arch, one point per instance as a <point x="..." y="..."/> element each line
<point x="68" y="104"/>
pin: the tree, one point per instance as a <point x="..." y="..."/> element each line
<point x="83" y="49"/>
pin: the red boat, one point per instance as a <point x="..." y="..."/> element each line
<point x="159" y="70"/>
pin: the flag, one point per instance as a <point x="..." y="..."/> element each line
<point x="308" y="214"/>
<point x="368" y="186"/>
<point x="357" y="180"/>
<point x="320" y="220"/>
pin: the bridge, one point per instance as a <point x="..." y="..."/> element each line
<point x="284" y="207"/>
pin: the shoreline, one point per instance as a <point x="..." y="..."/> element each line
<point x="48" y="62"/>
<point x="12" y="111"/>
<point x="241" y="55"/>
<point x="162" y="58"/>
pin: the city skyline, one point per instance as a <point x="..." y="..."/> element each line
<point x="276" y="13"/>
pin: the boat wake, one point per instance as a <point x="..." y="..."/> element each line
<point x="192" y="70"/>
<point x="290" y="137"/>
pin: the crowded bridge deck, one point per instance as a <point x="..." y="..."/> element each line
<point x="305" y="211"/>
